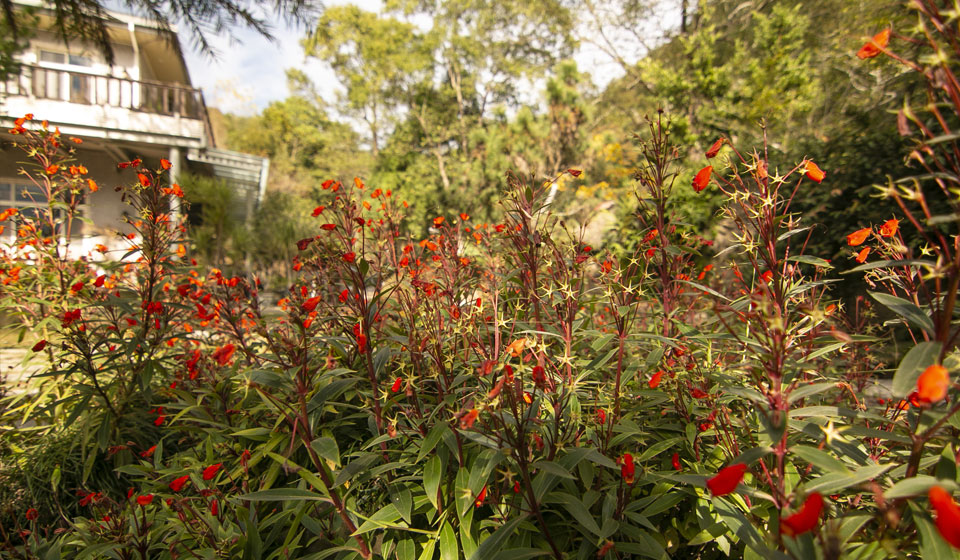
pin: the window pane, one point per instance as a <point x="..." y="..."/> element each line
<point x="48" y="56"/>
<point x="29" y="193"/>
<point x="77" y="60"/>
<point x="6" y="192"/>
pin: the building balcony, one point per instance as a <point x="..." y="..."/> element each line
<point x="110" y="107"/>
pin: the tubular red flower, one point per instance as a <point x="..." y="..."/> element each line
<point x="480" y="497"/>
<point x="715" y="148"/>
<point x="675" y="461"/>
<point x="858" y="237"/>
<point x="223" y="354"/>
<point x="211" y="471"/>
<point x="467" y="420"/>
<point x="396" y="385"/>
<point x="805" y="519"/>
<point x="726" y="481"/>
<point x="873" y="47"/>
<point x="654" y="381"/>
<point x="702" y="178"/>
<point x="932" y="385"/>
<point x="178" y="483"/>
<point x="145" y="500"/>
<point x="627" y="469"/>
<point x="38" y="347"/>
<point x="311" y="304"/>
<point x="813" y="172"/>
<point x="948" y="515"/>
<point x="890" y="228"/>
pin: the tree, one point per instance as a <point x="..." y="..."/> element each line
<point x="376" y="58"/>
<point x="86" y="20"/>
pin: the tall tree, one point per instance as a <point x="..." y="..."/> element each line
<point x="86" y="20"/>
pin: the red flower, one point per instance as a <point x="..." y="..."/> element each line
<point x="948" y="515"/>
<point x="862" y="255"/>
<point x="214" y="508"/>
<point x="396" y="385"/>
<point x="464" y="217"/>
<point x="858" y="237"/>
<point x="480" y="497"/>
<point x="805" y="519"/>
<point x="349" y="257"/>
<point x="311" y="304"/>
<point x="601" y="416"/>
<point x="715" y="148"/>
<point x="932" y="384"/>
<point x="726" y="480"/>
<point x="317" y="211"/>
<point x="178" y="483"/>
<point x="675" y="460"/>
<point x="149" y="452"/>
<point x="438" y="221"/>
<point x="211" y="471"/>
<point x="699" y="394"/>
<point x="466" y="422"/>
<point x="144" y="180"/>
<point x="165" y="164"/>
<point x="223" y="354"/>
<point x="873" y="46"/>
<point x="145" y="499"/>
<point x="574" y="172"/>
<point x="328" y="227"/>
<point x="38" y="347"/>
<point x="655" y="380"/>
<point x="539" y="376"/>
<point x="159" y="420"/>
<point x="32" y="514"/>
<point x="813" y="172"/>
<point x="702" y="178"/>
<point x="52" y="168"/>
<point x="889" y="228"/>
<point x="627" y="468"/>
<point x="304" y="243"/>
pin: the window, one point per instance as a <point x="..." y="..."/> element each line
<point x="54" y="57"/>
<point x="65" y="85"/>
<point x="27" y="198"/>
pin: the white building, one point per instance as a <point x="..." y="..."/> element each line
<point x="141" y="106"/>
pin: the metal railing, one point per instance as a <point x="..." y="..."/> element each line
<point x="113" y="91"/>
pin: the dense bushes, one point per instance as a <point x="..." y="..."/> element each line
<point x="493" y="390"/>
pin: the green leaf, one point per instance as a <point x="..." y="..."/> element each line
<point x="577" y="509"/>
<point x="449" y="549"/>
<point x="327" y="448"/>
<point x="833" y="482"/>
<point x="283" y="494"/>
<point x="819" y="458"/>
<point x="553" y="468"/>
<point x="492" y="544"/>
<point x="432" y="439"/>
<point x="386" y="517"/>
<point x="431" y="480"/>
<point x="810" y="390"/>
<point x="917" y="486"/>
<point x="912" y="365"/>
<point x="906" y="309"/>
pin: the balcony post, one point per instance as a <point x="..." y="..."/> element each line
<point x="174" y="177"/>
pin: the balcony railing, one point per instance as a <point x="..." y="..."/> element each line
<point x="112" y="91"/>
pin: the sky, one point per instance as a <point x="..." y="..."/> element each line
<point x="250" y="70"/>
